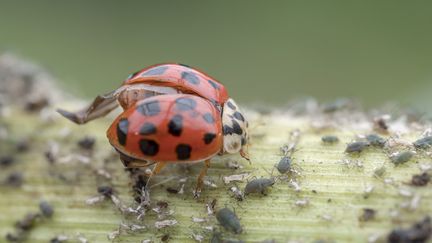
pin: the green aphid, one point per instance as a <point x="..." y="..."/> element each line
<point x="375" y="140"/>
<point x="402" y="157"/>
<point x="356" y="147"/>
<point x="330" y="139"/>
<point x="423" y="143"/>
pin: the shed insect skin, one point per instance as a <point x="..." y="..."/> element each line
<point x="259" y="185"/>
<point x="229" y="220"/>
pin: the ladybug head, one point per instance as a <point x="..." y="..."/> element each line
<point x="235" y="129"/>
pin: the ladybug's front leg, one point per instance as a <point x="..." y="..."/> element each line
<point x="200" y="180"/>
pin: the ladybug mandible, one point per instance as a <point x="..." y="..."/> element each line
<point x="172" y="113"/>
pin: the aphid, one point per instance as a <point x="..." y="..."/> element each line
<point x="165" y="237"/>
<point x="375" y="140"/>
<point x="172" y="114"/>
<point x="87" y="142"/>
<point x="423" y="143"/>
<point x="46" y="209"/>
<point x="258" y="185"/>
<point x="14" y="179"/>
<point x="368" y="214"/>
<point x="329" y="139"/>
<point x="6" y="160"/>
<point x="106" y="191"/>
<point x="421" y="179"/>
<point x="356" y="147"/>
<point x="284" y="165"/>
<point x="419" y="232"/>
<point x="229" y="220"/>
<point x="401" y="157"/>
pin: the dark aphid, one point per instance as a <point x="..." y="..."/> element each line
<point x="15" y="179"/>
<point x="46" y="209"/>
<point x="229" y="220"/>
<point x="6" y="160"/>
<point x="172" y="190"/>
<point x="423" y="143"/>
<point x="28" y="222"/>
<point x="36" y="104"/>
<point x="22" y="145"/>
<point x="330" y="139"/>
<point x="375" y="140"/>
<point x="284" y="165"/>
<point x="420" y="180"/>
<point x="368" y="214"/>
<point x="165" y="237"/>
<point x="356" y="147"/>
<point x="401" y="157"/>
<point x="106" y="191"/>
<point x="258" y="185"/>
<point x="419" y="232"/>
<point x="87" y="143"/>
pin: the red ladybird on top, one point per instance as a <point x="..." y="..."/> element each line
<point x="172" y="113"/>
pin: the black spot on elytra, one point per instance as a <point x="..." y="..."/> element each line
<point x="150" y="108"/>
<point x="190" y="77"/>
<point x="209" y="118"/>
<point x="155" y="71"/>
<point x="185" y="104"/>
<point x="208" y="137"/>
<point x="213" y="84"/>
<point x="122" y="130"/>
<point x="238" y="116"/>
<point x="183" y="151"/>
<point x="231" y="105"/>
<point x="243" y="141"/>
<point x="148" y="129"/>
<point x="234" y="129"/>
<point x="149" y="147"/>
<point x="175" y="125"/>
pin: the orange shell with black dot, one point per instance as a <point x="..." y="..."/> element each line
<point x="183" y="78"/>
<point x="168" y="128"/>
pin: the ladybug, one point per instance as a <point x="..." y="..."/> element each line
<point x="172" y="113"/>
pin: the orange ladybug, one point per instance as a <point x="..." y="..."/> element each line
<point x="172" y="113"/>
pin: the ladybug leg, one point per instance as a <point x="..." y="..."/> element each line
<point x="245" y="155"/>
<point x="156" y="169"/>
<point x="200" y="180"/>
<point x="101" y="105"/>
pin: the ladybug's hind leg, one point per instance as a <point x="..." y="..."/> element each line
<point x="200" y="180"/>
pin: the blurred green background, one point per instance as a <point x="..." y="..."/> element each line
<point x="263" y="51"/>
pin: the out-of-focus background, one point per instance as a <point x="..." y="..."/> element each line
<point x="263" y="51"/>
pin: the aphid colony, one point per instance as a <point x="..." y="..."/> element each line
<point x="172" y="113"/>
